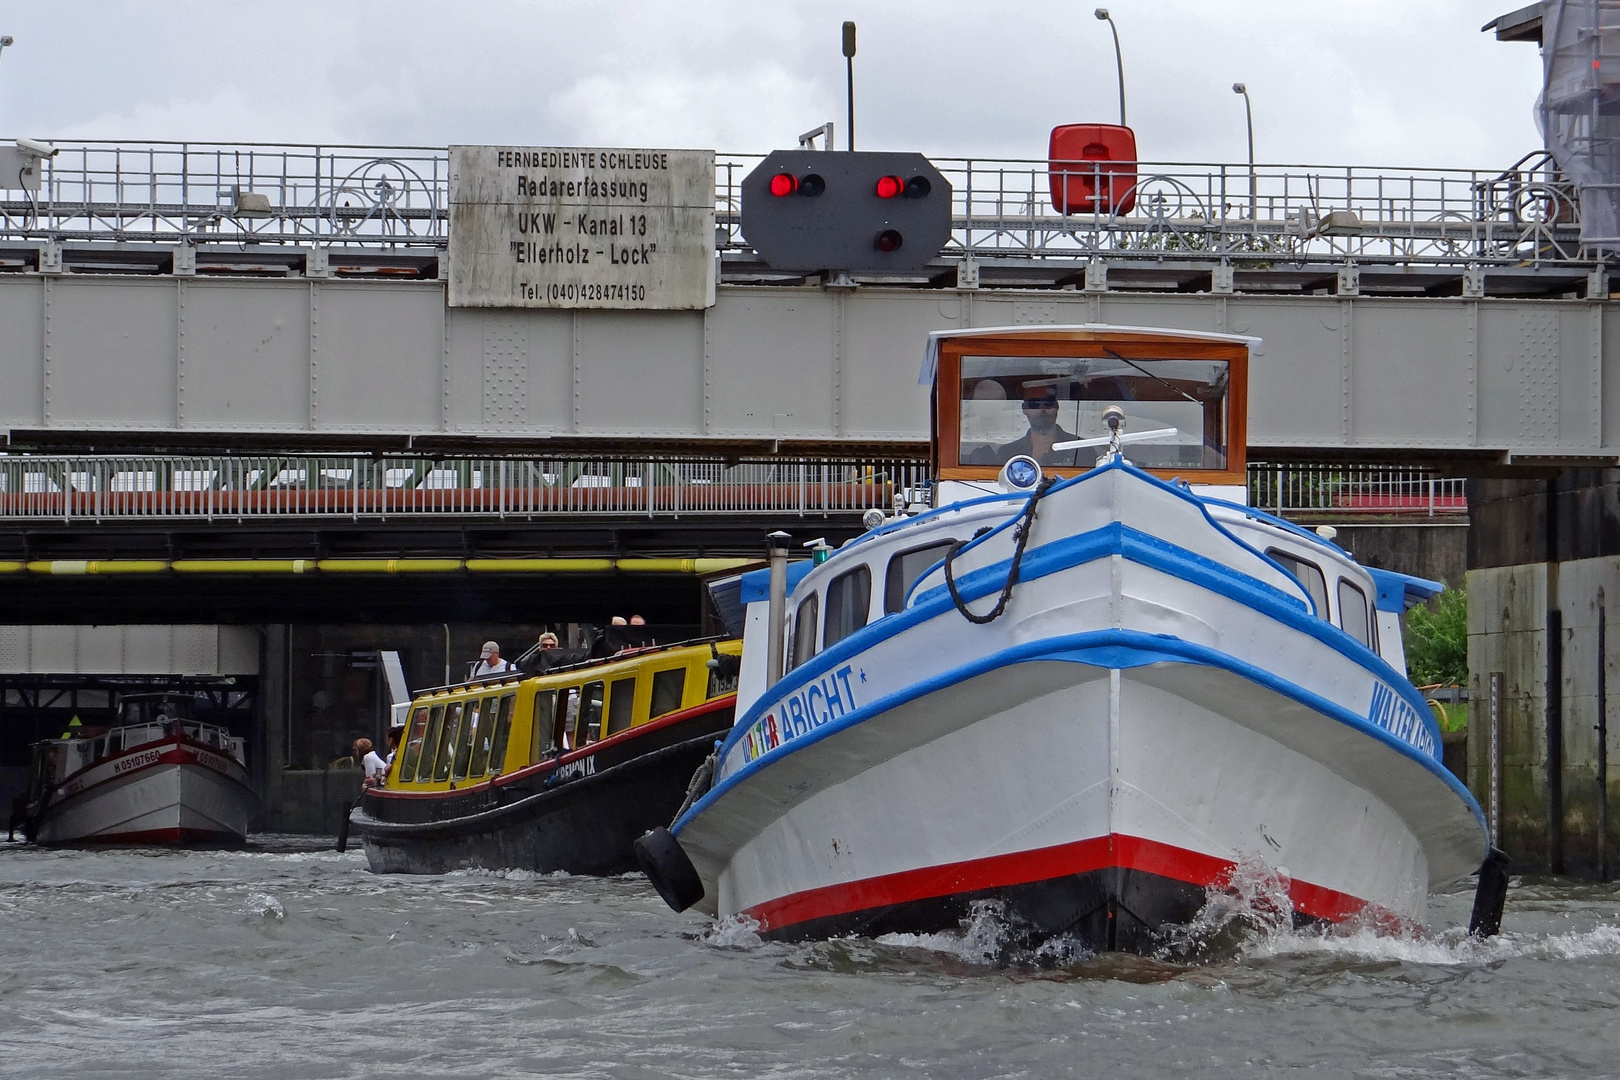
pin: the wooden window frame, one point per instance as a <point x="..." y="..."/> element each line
<point x="948" y="407"/>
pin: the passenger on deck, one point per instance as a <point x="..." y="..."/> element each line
<point x="376" y="768"/>
<point x="548" y="640"/>
<point x="394" y="735"/>
<point x="489" y="662"/>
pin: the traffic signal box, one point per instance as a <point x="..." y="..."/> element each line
<point x="858" y="212"/>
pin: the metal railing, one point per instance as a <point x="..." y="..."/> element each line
<point x="1355" y="490"/>
<point x="1002" y="208"/>
<point x="67" y="488"/>
<point x="230" y="488"/>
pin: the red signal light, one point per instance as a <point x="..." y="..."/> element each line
<point x="783" y="184"/>
<point x="890" y="186"/>
<point x="887" y="240"/>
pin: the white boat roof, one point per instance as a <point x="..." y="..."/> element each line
<point x="930" y="362"/>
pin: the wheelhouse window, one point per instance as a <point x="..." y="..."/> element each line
<point x="849" y="598"/>
<point x="667" y="690"/>
<point x="1353" y="613"/>
<point x="904" y="570"/>
<point x="621" y="705"/>
<point x="804" y="630"/>
<point x="1025" y="405"/>
<point x="1308" y="575"/>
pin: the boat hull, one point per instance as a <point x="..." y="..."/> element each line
<point x="581" y="815"/>
<point x="166" y="793"/>
<point x="1143" y="726"/>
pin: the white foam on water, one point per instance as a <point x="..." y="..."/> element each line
<point x="1453" y="947"/>
<point x="733" y="932"/>
<point x="265" y="906"/>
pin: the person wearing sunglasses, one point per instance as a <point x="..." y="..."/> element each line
<point x="1041" y="411"/>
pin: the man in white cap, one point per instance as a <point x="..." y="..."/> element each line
<point x="489" y="662"/>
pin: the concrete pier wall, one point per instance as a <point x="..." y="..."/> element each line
<point x="1543" y="583"/>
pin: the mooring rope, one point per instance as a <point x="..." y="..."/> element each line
<point x="1022" y="531"/>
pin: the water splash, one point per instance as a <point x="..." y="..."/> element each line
<point x="733" y="932"/>
<point x="1248" y="902"/>
<point x="265" y="906"/>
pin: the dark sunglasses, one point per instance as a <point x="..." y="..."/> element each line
<point x="1042" y="403"/>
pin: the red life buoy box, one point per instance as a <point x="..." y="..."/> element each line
<point x="1093" y="169"/>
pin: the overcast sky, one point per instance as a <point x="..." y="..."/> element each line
<point x="1371" y="82"/>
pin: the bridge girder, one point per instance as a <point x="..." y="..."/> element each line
<point x="166" y="362"/>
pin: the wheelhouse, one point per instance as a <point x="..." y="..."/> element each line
<point x="1009" y="391"/>
<point x="462" y="735"/>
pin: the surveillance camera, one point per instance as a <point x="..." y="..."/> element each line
<point x="7" y="41"/>
<point x="36" y="148"/>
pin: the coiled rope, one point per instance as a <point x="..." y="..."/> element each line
<point x="1021" y="531"/>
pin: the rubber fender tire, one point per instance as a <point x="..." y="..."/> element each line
<point x="668" y="868"/>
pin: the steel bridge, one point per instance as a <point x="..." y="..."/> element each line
<point x="150" y="305"/>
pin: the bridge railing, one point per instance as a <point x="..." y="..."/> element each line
<point x="1004" y="208"/>
<point x="90" y="489"/>
<point x="1340" y="490"/>
<point x="66" y="488"/>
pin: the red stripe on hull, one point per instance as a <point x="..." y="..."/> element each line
<point x="1042" y="864"/>
<point x="161" y="836"/>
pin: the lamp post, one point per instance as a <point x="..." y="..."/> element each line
<point x="1248" y="115"/>
<point x="849" y="74"/>
<point x="1119" y="60"/>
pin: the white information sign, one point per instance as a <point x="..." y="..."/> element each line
<point x="557" y="227"/>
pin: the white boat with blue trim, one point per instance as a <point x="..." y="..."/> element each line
<point x="1083" y="688"/>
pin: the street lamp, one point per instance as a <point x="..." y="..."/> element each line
<point x="1248" y="115"/>
<point x="1119" y="60"/>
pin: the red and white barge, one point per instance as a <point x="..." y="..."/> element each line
<point x="164" y="782"/>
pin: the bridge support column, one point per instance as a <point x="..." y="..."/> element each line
<point x="1544" y="561"/>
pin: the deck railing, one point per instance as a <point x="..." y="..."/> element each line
<point x="392" y="196"/>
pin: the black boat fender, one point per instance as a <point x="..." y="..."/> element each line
<point x="668" y="868"/>
<point x="1491" y="895"/>
<point x="343" y="825"/>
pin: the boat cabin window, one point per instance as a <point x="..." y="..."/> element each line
<point x="466" y="737"/>
<point x="621" y="705"/>
<point x="588" y="723"/>
<point x="570" y="712"/>
<point x="849" y="598"/>
<point x="804" y="631"/>
<point x="448" y="736"/>
<point x="667" y="690"/>
<point x="412" y="753"/>
<point x="1353" y="613"/>
<point x="1309" y="575"/>
<point x="484" y="736"/>
<point x="501" y="734"/>
<point x="1014" y="405"/>
<point x="430" y="743"/>
<point x="904" y="570"/>
<point x="546" y="736"/>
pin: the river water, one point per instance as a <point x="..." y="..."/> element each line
<point x="290" y="960"/>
